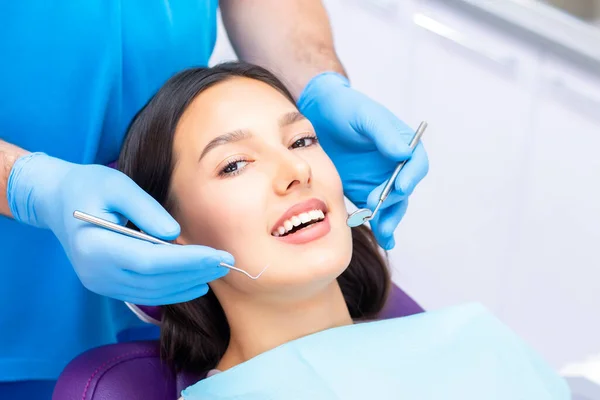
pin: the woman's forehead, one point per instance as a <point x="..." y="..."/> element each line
<point x="239" y="93"/>
<point x="236" y="104"/>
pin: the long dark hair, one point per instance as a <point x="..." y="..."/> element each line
<point x="195" y="334"/>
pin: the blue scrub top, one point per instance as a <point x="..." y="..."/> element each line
<point x="72" y="76"/>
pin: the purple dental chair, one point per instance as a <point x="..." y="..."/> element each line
<point x="134" y="370"/>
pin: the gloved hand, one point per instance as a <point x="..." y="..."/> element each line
<point x="365" y="142"/>
<point x="44" y="191"/>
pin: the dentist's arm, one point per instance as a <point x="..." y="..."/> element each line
<point x="8" y="155"/>
<point x="365" y="141"/>
<point x="291" y="38"/>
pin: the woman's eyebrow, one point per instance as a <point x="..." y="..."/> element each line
<point x="290" y="118"/>
<point x="243" y="134"/>
<point x="229" y="137"/>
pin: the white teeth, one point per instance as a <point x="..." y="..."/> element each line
<point x="304" y="217"/>
<point x="297" y="220"/>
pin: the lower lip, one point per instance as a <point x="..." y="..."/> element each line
<point x="313" y="232"/>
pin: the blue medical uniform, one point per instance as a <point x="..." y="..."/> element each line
<point x="72" y="76"/>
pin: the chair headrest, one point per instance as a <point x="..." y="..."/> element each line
<point x="130" y="370"/>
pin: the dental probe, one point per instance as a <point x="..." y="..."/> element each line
<point x="140" y="235"/>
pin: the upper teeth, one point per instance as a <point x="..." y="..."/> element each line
<point x="303" y="218"/>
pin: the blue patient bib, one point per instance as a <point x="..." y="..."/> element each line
<point x="459" y="353"/>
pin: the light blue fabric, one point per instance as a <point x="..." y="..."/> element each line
<point x="459" y="353"/>
<point x="72" y="75"/>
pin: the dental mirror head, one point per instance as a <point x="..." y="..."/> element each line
<point x="359" y="217"/>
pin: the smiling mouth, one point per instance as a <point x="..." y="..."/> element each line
<point x="299" y="222"/>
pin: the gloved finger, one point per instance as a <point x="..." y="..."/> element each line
<point x="147" y="258"/>
<point x="390" y="135"/>
<point x="384" y="224"/>
<point x="413" y="172"/>
<point x="173" y="298"/>
<point x="169" y="282"/>
<point x="393" y="198"/>
<point x="147" y="288"/>
<point x="128" y="199"/>
<point x="150" y="259"/>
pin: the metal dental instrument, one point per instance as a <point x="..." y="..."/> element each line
<point x="363" y="215"/>
<point x="139" y="235"/>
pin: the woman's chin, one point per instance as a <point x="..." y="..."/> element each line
<point x="303" y="272"/>
<point x="304" y="268"/>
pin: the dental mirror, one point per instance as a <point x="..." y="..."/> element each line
<point x="359" y="217"/>
<point x="363" y="215"/>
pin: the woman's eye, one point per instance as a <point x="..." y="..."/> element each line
<point x="234" y="167"/>
<point x="304" y="142"/>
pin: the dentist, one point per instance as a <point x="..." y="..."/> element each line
<point x="72" y="76"/>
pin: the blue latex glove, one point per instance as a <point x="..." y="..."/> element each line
<point x="44" y="192"/>
<point x="365" y="142"/>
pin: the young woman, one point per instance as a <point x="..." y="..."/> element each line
<point x="227" y="153"/>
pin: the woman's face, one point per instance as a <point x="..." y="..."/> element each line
<point x="249" y="174"/>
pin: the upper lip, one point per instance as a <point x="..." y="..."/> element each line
<point x="305" y="206"/>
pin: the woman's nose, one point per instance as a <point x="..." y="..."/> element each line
<point x="292" y="171"/>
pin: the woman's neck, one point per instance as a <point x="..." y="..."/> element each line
<point x="256" y="328"/>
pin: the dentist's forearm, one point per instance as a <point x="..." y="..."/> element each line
<point x="291" y="38"/>
<point x="8" y="155"/>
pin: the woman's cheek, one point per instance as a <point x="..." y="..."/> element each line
<point x="236" y="211"/>
<point x="326" y="174"/>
